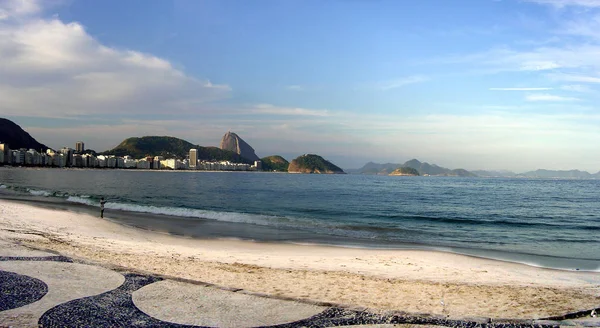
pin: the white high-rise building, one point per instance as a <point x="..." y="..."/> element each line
<point x="68" y="152"/>
<point x="193" y="159"/>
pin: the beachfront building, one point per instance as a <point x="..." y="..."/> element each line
<point x="89" y="160"/>
<point x="76" y="160"/>
<point x="4" y="154"/>
<point x="144" y="164"/>
<point x="32" y="157"/>
<point x="156" y="162"/>
<point x="223" y="166"/>
<point x="169" y="164"/>
<point x="111" y="161"/>
<point x="79" y="147"/>
<point x="68" y="153"/>
<point x="18" y="156"/>
<point x="129" y="163"/>
<point x="46" y="159"/>
<point x="193" y="161"/>
<point x="68" y="157"/>
<point x="102" y="161"/>
<point x="58" y="159"/>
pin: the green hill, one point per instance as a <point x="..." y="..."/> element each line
<point x="170" y="147"/>
<point x="275" y="163"/>
<point x="313" y="164"/>
<point x="405" y="171"/>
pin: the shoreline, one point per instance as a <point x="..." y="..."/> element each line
<point x="409" y="280"/>
<point x="221" y="230"/>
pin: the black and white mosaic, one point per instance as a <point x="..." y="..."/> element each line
<point x="17" y="290"/>
<point x="116" y="308"/>
<point x="36" y="258"/>
<point x="111" y="309"/>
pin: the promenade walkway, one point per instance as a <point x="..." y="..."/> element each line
<point x="43" y="289"/>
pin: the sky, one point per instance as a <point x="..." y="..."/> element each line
<point x="474" y="84"/>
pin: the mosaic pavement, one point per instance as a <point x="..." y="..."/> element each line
<point x="39" y="289"/>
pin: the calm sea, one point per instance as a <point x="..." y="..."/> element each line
<point x="551" y="223"/>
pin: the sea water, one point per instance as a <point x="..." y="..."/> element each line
<point x="550" y="223"/>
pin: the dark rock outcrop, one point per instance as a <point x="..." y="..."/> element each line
<point x="234" y="143"/>
<point x="15" y="137"/>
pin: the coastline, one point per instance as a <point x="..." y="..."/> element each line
<point x="414" y="281"/>
<point x="202" y="226"/>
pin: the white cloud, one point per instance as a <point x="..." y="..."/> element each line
<point x="566" y="3"/>
<point x="539" y="65"/>
<point x="275" y="110"/>
<point x="295" y="87"/>
<point x="519" y="89"/>
<point x="576" y="88"/>
<point x="52" y="68"/>
<point x="18" y="8"/>
<point x="397" y="83"/>
<point x="548" y="97"/>
<point x="575" y="78"/>
<point x="569" y="58"/>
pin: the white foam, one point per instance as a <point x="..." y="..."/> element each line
<point x="39" y="192"/>
<point x="81" y="200"/>
<point x="191" y="213"/>
<point x="3" y="186"/>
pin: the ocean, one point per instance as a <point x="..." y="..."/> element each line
<point x="541" y="222"/>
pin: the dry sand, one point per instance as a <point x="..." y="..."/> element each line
<point x="402" y="280"/>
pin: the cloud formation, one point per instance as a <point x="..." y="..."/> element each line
<point x="275" y="110"/>
<point x="398" y="83"/>
<point x="548" y="97"/>
<point x="52" y="68"/>
<point x="567" y="3"/>
<point x="576" y="88"/>
<point x="295" y="87"/>
<point x="519" y="89"/>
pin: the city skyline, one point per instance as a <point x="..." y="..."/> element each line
<point x="477" y="84"/>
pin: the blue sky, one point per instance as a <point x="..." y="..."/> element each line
<point x="508" y="84"/>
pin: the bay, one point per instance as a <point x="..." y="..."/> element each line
<point x="551" y="223"/>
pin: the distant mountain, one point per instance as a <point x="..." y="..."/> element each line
<point x="15" y="137"/>
<point x="405" y="171"/>
<point x="170" y="147"/>
<point x="376" y="168"/>
<point x="541" y="173"/>
<point x="233" y="142"/>
<point x="496" y="173"/>
<point x="311" y="163"/>
<point x="426" y="168"/>
<point x="275" y="163"/>
<point x="422" y="168"/>
<point x="573" y="174"/>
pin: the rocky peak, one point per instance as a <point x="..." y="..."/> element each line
<point x="234" y="143"/>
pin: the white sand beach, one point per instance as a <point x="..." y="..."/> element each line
<point x="412" y="281"/>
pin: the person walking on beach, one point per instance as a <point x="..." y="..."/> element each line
<point x="102" y="202"/>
